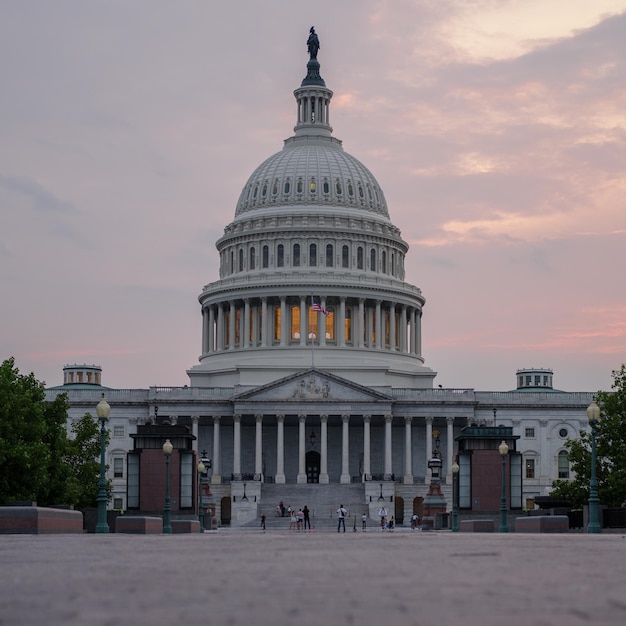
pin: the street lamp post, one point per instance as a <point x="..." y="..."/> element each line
<point x="103" y="410"/>
<point x="455" y="497"/>
<point x="201" y="469"/>
<point x="593" y="413"/>
<point x="504" y="450"/>
<point x="167" y="517"/>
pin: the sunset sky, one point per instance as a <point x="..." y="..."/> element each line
<point x="497" y="130"/>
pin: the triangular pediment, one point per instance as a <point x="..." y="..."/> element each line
<point x="313" y="386"/>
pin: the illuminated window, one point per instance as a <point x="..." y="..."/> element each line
<point x="296" y="255"/>
<point x="530" y="468"/>
<point x="313" y="255"/>
<point x="330" y="325"/>
<point x="348" y="325"/>
<point x="312" y="317"/>
<point x="295" y="322"/>
<point x="387" y="325"/>
<point x="277" y="318"/>
<point x="312" y="187"/>
<point x="275" y="188"/>
<point x="237" y="327"/>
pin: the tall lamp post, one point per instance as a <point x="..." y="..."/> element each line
<point x="103" y="410"/>
<point x="201" y="469"/>
<point x="503" y="449"/>
<point x="455" y="497"/>
<point x="593" y="413"/>
<point x="167" y="517"/>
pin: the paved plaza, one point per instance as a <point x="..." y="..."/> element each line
<point x="251" y="577"/>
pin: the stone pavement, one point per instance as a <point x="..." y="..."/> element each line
<point x="254" y="578"/>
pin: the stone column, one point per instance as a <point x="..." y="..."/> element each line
<point x="194" y="432"/>
<point x="345" y="450"/>
<point x="220" y="326"/>
<point x="408" y="451"/>
<point x="237" y="446"/>
<point x="258" y="448"/>
<point x="403" y="333"/>
<point x="246" y="323"/>
<point x="283" y="320"/>
<point x="205" y="330"/>
<point x="388" y="472"/>
<point x="264" y="324"/>
<point x="280" y="450"/>
<point x="301" y="479"/>
<point x="211" y="330"/>
<point x="450" y="453"/>
<point x="323" y="478"/>
<point x="231" y="326"/>
<point x="367" y="464"/>
<point x="379" y="325"/>
<point x="216" y="476"/>
<point x="418" y="342"/>
<point x="429" y="446"/>
<point x="341" y="323"/>
<point x="392" y="327"/>
<point x="303" y="321"/>
<point x="255" y="324"/>
<point x="361" y="324"/>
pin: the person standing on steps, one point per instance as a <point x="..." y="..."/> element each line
<point x="341" y="518"/>
<point x="263" y="521"/>
<point x="364" y="522"/>
<point x="307" y="517"/>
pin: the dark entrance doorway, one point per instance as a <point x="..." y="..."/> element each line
<point x="312" y="460"/>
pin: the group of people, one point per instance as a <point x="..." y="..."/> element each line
<point x="298" y="520"/>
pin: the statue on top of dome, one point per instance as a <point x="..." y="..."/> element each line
<point x="313" y="43"/>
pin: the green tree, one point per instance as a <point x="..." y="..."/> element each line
<point x="38" y="461"/>
<point x="610" y="452"/>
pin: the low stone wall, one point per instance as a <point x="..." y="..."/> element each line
<point x="185" y="526"/>
<point x="139" y="525"/>
<point x="477" y="526"/>
<point x="542" y="524"/>
<point x="37" y="520"/>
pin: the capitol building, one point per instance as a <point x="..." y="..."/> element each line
<point x="311" y="384"/>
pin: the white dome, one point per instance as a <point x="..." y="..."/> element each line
<point x="312" y="170"/>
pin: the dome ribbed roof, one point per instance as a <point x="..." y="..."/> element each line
<point x="312" y="171"/>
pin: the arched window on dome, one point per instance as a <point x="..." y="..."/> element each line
<point x="350" y="189"/>
<point x="329" y="255"/>
<point x="280" y="255"/>
<point x="252" y="258"/>
<point x="359" y="258"/>
<point x="232" y="262"/>
<point x="373" y="260"/>
<point x="313" y="186"/>
<point x="338" y="188"/>
<point x="266" y="257"/>
<point x="264" y="190"/>
<point x="361" y="191"/>
<point x="384" y="261"/>
<point x="241" y="259"/>
<point x="256" y="192"/>
<point x="345" y="257"/>
<point x="313" y="255"/>
<point x="393" y="264"/>
<point x="275" y="188"/>
<point x="299" y="187"/>
<point x="326" y="187"/>
<point x="295" y="256"/>
<point x="287" y="187"/>
<point x="369" y="193"/>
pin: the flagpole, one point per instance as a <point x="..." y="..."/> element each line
<point x="313" y="338"/>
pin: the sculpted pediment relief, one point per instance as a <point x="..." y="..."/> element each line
<point x="313" y="386"/>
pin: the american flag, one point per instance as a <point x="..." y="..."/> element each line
<point x="317" y="307"/>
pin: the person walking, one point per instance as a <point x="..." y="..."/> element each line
<point x="263" y="521"/>
<point x="341" y="518"/>
<point x="307" y="517"/>
<point x="364" y="522"/>
<point x="382" y="513"/>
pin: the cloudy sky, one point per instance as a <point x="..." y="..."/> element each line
<point x="496" y="128"/>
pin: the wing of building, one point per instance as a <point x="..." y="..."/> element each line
<point x="311" y="387"/>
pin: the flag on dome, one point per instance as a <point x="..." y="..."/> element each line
<point x="317" y="307"/>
